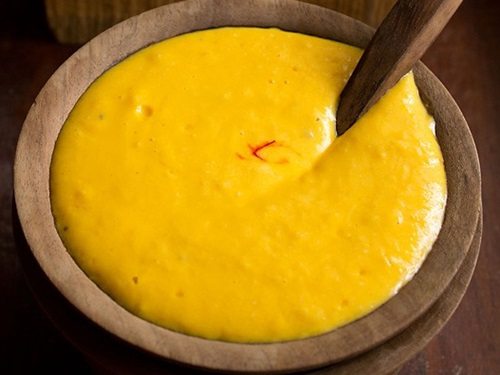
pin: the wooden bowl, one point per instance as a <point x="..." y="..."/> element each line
<point x="57" y="98"/>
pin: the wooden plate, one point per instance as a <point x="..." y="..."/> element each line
<point x="57" y="98"/>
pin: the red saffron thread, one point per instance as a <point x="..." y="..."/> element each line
<point x="255" y="150"/>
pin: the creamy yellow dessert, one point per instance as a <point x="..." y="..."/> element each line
<point x="201" y="185"/>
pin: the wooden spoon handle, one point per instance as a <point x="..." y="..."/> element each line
<point x="405" y="34"/>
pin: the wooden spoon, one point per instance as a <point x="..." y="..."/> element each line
<point x="405" y="34"/>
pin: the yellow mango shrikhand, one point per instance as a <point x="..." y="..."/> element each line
<point x="200" y="183"/>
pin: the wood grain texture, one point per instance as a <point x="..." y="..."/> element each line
<point x="400" y="41"/>
<point x="76" y="21"/>
<point x="68" y="83"/>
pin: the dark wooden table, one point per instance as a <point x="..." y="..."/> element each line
<point x="465" y="57"/>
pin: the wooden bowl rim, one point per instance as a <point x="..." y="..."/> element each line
<point x="41" y="128"/>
